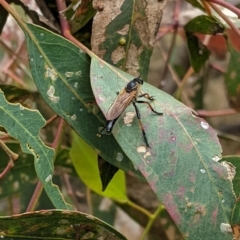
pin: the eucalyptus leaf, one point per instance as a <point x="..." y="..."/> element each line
<point x="180" y="164"/>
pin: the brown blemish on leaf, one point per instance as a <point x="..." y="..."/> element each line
<point x="172" y="208"/>
<point x="200" y="209"/>
<point x="181" y="191"/>
<point x="170" y="173"/>
<point x="236" y="231"/>
<point x="220" y="171"/>
<point x="231" y="170"/>
<point x="214" y="216"/>
<point x="192" y="177"/>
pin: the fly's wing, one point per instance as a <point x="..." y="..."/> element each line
<point x="119" y="105"/>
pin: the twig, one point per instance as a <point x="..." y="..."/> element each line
<point x="50" y="120"/>
<point x="216" y="113"/>
<point x="175" y="29"/>
<point x="12" y="157"/>
<point x="225" y="18"/>
<point x="56" y="145"/>
<point x="227" y="5"/>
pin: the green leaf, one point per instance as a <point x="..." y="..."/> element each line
<point x="179" y="165"/>
<point x="3" y="17"/>
<point x="61" y="73"/>
<point x="55" y="224"/>
<point x="123" y="34"/>
<point x="236" y="214"/>
<point x="107" y="171"/>
<point x="205" y="25"/>
<point x="232" y="77"/>
<point x="24" y="125"/>
<point x="79" y="13"/>
<point x="84" y="159"/>
<point x="198" y="88"/>
<point x="196" y="4"/>
<point x="197" y="51"/>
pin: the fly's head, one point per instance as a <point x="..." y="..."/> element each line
<point x="134" y="85"/>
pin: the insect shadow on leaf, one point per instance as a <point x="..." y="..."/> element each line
<point x="129" y="94"/>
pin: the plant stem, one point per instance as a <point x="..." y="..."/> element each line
<point x="151" y="221"/>
<point x="225" y="18"/>
<point x="140" y="209"/>
<point x="227" y="5"/>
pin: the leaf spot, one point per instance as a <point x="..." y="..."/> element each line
<point x="75" y="84"/>
<point x="73" y="117"/>
<point x="231" y="170"/>
<point x="31" y="59"/>
<point x="225" y="228"/>
<point x="48" y="178"/>
<point x="80" y="109"/>
<point x="119" y="157"/>
<point x="51" y="74"/>
<point x="68" y="74"/>
<point x="78" y="73"/>
<point x="129" y="116"/>
<point x="50" y="93"/>
<point x="204" y="125"/>
<point x="216" y="158"/>
<point x="202" y="171"/>
<point x="223" y="201"/>
<point x="42" y="34"/>
<point x="141" y="149"/>
<point x="147" y="154"/>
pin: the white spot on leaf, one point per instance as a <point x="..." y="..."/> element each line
<point x="216" y="158"/>
<point x="141" y="149"/>
<point x="225" y="228"/>
<point x="147" y="154"/>
<point x="129" y="116"/>
<point x="68" y="74"/>
<point x="204" y="125"/>
<point x="74" y="117"/>
<point x="51" y="74"/>
<point x="119" y="157"/>
<point x="78" y="73"/>
<point x="202" y="171"/>
<point x="48" y="178"/>
<point x="51" y="96"/>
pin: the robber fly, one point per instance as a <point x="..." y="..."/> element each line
<point x="128" y="95"/>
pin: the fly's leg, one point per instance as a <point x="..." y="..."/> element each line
<point x="146" y="95"/>
<point x="140" y="123"/>
<point x="150" y="106"/>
